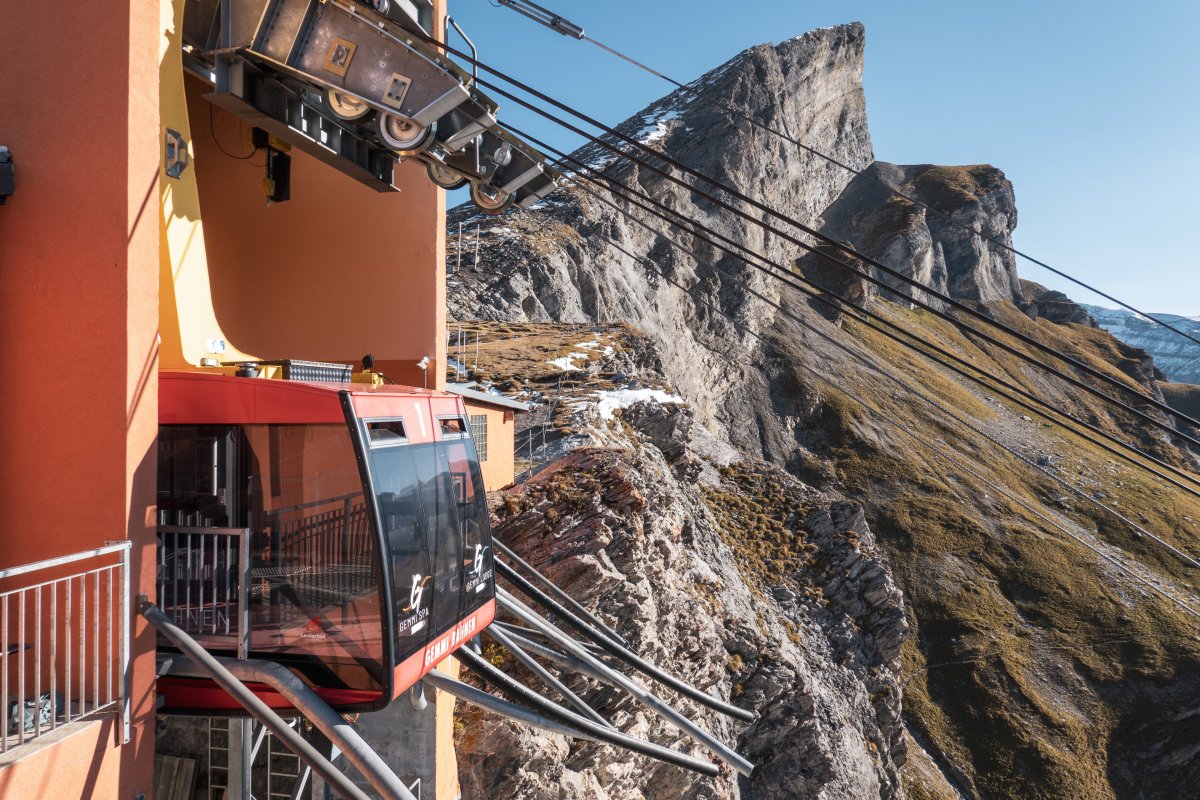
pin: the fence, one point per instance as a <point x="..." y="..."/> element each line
<point x="222" y="584"/>
<point x="64" y="644"/>
<point x="202" y="583"/>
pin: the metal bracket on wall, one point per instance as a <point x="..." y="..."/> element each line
<point x="176" y="158"/>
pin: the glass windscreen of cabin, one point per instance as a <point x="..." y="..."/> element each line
<point x="436" y="525"/>
<point x="315" y="560"/>
<point x="194" y="478"/>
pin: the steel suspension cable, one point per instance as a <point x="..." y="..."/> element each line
<point x="955" y="417"/>
<point x="988" y="321"/>
<point x="859" y="173"/>
<point x="916" y="343"/>
<point x="916" y="346"/>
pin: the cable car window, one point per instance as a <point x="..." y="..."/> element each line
<point x="434" y="516"/>
<point x="313" y="567"/>
<point x="410" y="548"/>
<point x="194" y="485"/>
<point x="313" y="571"/>
<point x="452" y="427"/>
<point x="475" y="533"/>
<point x="385" y="432"/>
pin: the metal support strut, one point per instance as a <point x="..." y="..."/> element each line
<point x="231" y="675"/>
<point x="639" y="692"/>
<point x="616" y="649"/>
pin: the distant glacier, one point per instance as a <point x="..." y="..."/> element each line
<point x="1178" y="358"/>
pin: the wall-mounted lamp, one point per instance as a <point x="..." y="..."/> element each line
<point x="8" y="183"/>
<point x="423" y="365"/>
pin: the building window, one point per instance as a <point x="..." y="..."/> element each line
<point x="479" y="434"/>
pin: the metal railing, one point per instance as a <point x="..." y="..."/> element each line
<point x="315" y="554"/>
<point x="221" y="584"/>
<point x="64" y="644"/>
<point x="202" y="584"/>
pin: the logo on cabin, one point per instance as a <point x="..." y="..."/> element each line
<point x="312" y="630"/>
<point x="417" y="615"/>
<point x="480" y="579"/>
<point x="417" y="591"/>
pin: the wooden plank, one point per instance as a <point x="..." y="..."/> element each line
<point x="174" y="777"/>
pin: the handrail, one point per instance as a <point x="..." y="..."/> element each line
<point x="24" y="569"/>
<point x="70" y="639"/>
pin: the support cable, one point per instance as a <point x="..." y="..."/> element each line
<point x="1186" y="558"/>
<point x="862" y="174"/>
<point x="840" y="304"/>
<point x="942" y="451"/>
<point x="1023" y="338"/>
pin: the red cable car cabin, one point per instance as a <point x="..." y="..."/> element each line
<point x="339" y="529"/>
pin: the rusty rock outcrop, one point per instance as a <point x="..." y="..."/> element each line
<point x="793" y="616"/>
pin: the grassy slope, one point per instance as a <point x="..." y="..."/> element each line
<point x="1033" y="669"/>
<point x="1032" y="665"/>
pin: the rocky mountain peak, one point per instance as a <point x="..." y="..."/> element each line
<point x="809" y="87"/>
<point x="932" y="240"/>
<point x="1020" y="549"/>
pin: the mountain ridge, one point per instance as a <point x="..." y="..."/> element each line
<point x="1016" y="543"/>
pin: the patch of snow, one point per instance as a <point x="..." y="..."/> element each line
<point x="567" y="362"/>
<point x="655" y="126"/>
<point x="592" y="345"/>
<point x="610" y="401"/>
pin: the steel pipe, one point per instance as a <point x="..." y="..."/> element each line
<point x="528" y="633"/>
<point x="557" y="591"/>
<point x="584" y="728"/>
<point x="639" y="692"/>
<point x="547" y="677"/>
<point x="625" y="654"/>
<point x="477" y="697"/>
<point x="550" y="654"/>
<point x="201" y="661"/>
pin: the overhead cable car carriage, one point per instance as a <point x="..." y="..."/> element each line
<point x="351" y="84"/>
<point x="340" y="529"/>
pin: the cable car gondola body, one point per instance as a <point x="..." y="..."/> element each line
<point x="340" y="529"/>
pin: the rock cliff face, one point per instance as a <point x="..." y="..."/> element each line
<point x="934" y="248"/>
<point x="737" y="577"/>
<point x="1178" y="358"/>
<point x="577" y="260"/>
<point x="1050" y="653"/>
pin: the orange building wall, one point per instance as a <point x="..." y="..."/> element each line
<point x="338" y="271"/>
<point x="499" y="469"/>
<point x="78" y="315"/>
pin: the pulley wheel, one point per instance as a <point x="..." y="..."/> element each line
<point x="444" y="177"/>
<point x="345" y="106"/>
<point x="403" y="135"/>
<point x="495" y="203"/>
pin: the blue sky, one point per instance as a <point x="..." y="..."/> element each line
<point x="1091" y="109"/>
